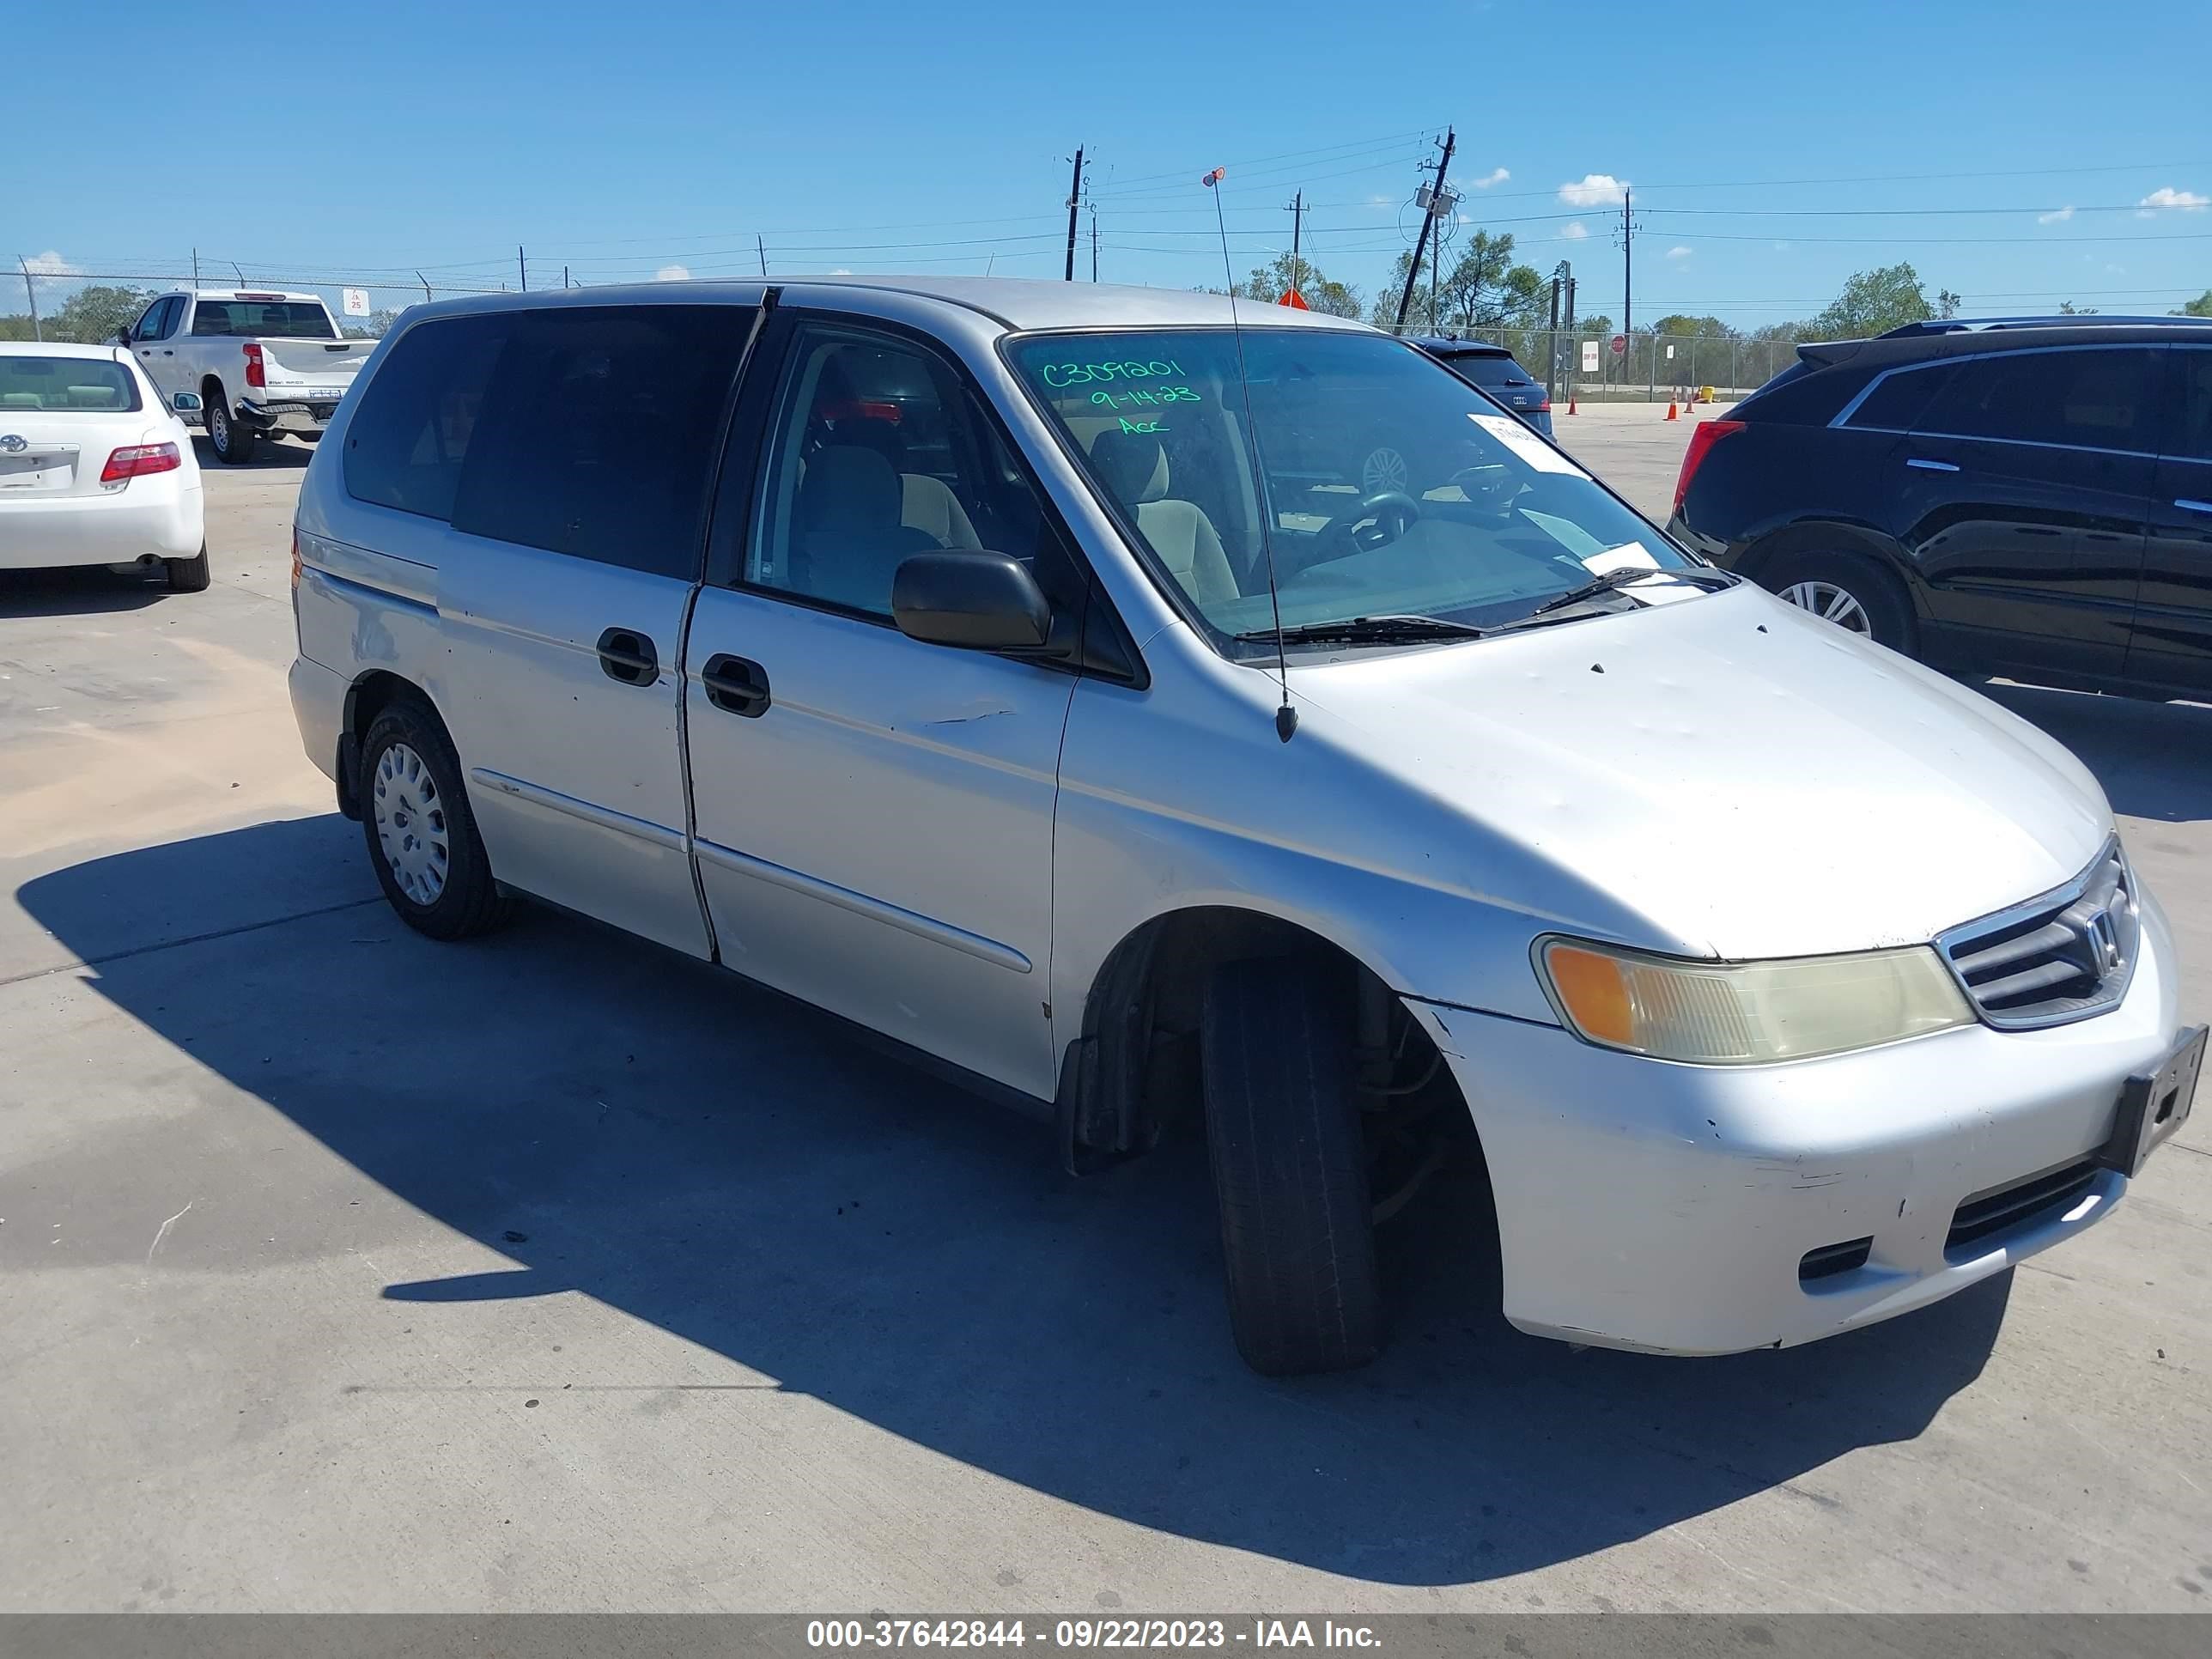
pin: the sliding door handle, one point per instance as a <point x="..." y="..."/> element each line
<point x="628" y="656"/>
<point x="736" y="685"/>
<point x="1926" y="465"/>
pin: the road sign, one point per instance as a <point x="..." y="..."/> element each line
<point x="1621" y="345"/>
<point x="1295" y="300"/>
<point x="355" y="301"/>
<point x="1589" y="356"/>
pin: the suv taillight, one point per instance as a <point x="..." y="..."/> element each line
<point x="254" y="373"/>
<point x="1701" y="443"/>
<point x="1544" y="408"/>
<point x="138" y="459"/>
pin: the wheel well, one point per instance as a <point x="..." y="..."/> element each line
<point x="211" y="387"/>
<point x="1133" y="1072"/>
<point x="1869" y="546"/>
<point x="365" y="698"/>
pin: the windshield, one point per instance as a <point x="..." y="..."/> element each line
<point x="86" y="384"/>
<point x="1386" y="483"/>
<point x="272" y="319"/>
<point x="1486" y="370"/>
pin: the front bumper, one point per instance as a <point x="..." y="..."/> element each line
<point x="165" y="521"/>
<point x="1667" y="1208"/>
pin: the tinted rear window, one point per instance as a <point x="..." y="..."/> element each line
<point x="275" y="319"/>
<point x="2089" y="398"/>
<point x="599" y="433"/>
<point x="417" y="415"/>
<point x="73" y="384"/>
<point x="1490" y="371"/>
<point x="1893" y="404"/>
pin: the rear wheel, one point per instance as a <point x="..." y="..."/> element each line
<point x="188" y="575"/>
<point x="423" y="840"/>
<point x="233" y="444"/>
<point x="1851" y="592"/>
<point x="1290" y="1167"/>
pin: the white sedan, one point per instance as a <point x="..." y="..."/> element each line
<point x="94" y="468"/>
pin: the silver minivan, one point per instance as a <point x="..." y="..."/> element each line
<point x="1032" y="676"/>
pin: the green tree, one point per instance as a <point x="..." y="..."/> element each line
<point x="1483" y="288"/>
<point x="1271" y="282"/>
<point x="376" y="327"/>
<point x="96" y="312"/>
<point x="2199" y="306"/>
<point x="1875" y="300"/>
<point x="2068" y="309"/>
<point x="16" y="327"/>
<point x="1681" y="327"/>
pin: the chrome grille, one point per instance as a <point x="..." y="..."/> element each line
<point x="2064" y="956"/>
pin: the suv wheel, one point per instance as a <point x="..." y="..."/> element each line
<point x="1855" y="595"/>
<point x="1289" y="1168"/>
<point x="233" y="443"/>
<point x="423" y="840"/>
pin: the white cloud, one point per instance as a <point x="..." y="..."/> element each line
<point x="49" y="264"/>
<point x="2166" y="196"/>
<point x="841" y="270"/>
<point x="1575" y="231"/>
<point x="2057" y="216"/>
<point x="673" y="274"/>
<point x="1782" y="247"/>
<point x="2116" y="270"/>
<point x="1495" y="176"/>
<point x="1678" y="251"/>
<point x="1596" y="190"/>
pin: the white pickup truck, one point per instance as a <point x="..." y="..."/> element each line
<point x="245" y="363"/>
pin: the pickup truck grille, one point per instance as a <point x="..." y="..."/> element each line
<point x="2063" y="956"/>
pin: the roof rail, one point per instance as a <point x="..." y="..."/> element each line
<point x="2072" y="320"/>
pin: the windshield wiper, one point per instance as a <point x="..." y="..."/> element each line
<point x="1377" y="630"/>
<point x="1699" y="577"/>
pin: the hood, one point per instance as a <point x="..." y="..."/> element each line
<point x="1747" y="780"/>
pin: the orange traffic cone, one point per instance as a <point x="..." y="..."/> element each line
<point x="1671" y="413"/>
<point x="1572" y="409"/>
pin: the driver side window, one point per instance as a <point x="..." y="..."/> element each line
<point x="878" y="451"/>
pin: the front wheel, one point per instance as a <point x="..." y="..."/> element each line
<point x="1290" y="1167"/>
<point x="188" y="575"/>
<point x="423" y="840"/>
<point x="233" y="444"/>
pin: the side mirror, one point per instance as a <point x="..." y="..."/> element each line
<point x="980" y="601"/>
<point x="122" y="335"/>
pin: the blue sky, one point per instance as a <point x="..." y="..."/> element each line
<point x="627" y="140"/>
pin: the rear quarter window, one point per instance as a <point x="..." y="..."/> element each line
<point x="417" y="418"/>
<point x="1895" y="404"/>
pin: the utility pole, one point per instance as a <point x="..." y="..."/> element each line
<point x="564" y="276"/>
<point x="1074" y="206"/>
<point x="1428" y="219"/>
<point x="196" y="269"/>
<point x="31" y="294"/>
<point x="521" y="270"/>
<point x="1297" y="212"/>
<point x="760" y="242"/>
<point x="1627" y="239"/>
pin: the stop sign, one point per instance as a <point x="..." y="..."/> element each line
<point x="1620" y="345"/>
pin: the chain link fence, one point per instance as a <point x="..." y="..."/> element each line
<point x="1650" y="367"/>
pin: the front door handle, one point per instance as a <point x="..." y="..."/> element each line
<point x="737" y="685"/>
<point x="628" y="656"/>
<point x="1933" y="466"/>
<point x="2188" y="506"/>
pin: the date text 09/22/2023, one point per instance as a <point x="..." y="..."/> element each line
<point x="1109" y="1632"/>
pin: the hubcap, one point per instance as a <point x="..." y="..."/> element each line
<point x="411" y="823"/>
<point x="1385" y="469"/>
<point x="1831" y="603"/>
<point x="218" y="429"/>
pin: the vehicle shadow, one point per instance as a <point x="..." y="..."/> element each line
<point x="79" y="592"/>
<point x="269" y="455"/>
<point x="654" y="1133"/>
<point x="2155" y="759"/>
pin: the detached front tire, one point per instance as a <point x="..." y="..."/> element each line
<point x="1289" y="1168"/>
<point x="422" y="839"/>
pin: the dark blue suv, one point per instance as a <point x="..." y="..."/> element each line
<point x="1493" y="368"/>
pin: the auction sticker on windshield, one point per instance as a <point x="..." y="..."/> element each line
<point x="1526" y="445"/>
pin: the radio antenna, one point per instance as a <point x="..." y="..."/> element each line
<point x="1286" y="718"/>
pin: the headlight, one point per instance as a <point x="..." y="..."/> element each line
<point x="1749" y="1014"/>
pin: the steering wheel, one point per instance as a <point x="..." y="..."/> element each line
<point x="1393" y="513"/>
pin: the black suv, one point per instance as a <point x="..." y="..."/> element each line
<point x="2030" y="497"/>
<point x="1493" y="368"/>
